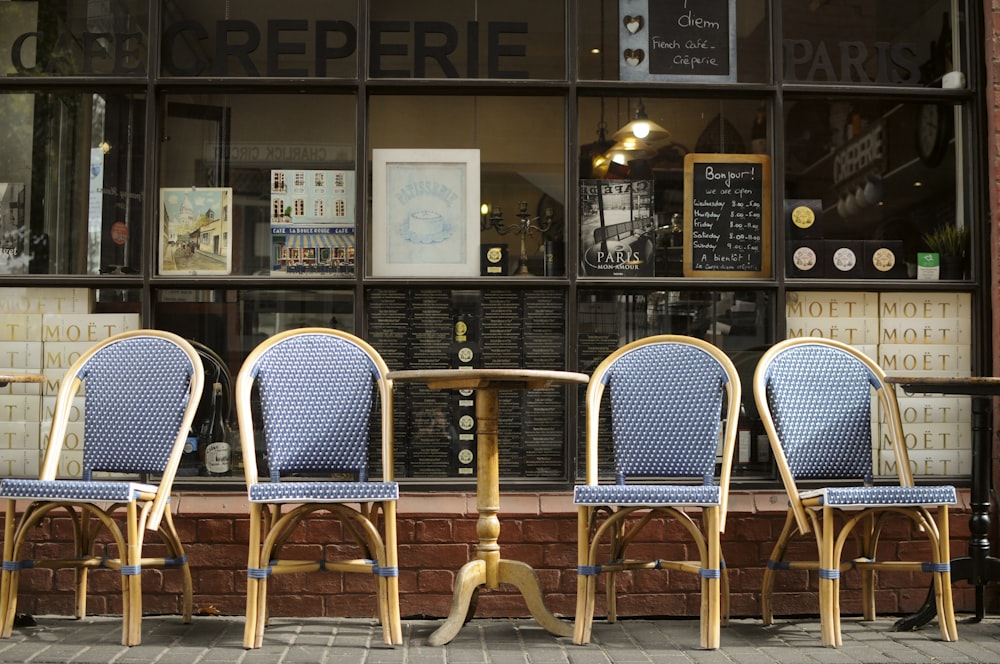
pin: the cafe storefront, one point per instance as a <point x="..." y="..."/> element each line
<point x="499" y="184"/>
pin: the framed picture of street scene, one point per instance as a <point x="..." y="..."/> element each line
<point x="196" y="230"/>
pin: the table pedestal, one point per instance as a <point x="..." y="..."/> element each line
<point x="488" y="569"/>
<point x="978" y="567"/>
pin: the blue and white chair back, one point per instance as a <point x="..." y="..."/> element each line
<point x="820" y="399"/>
<point x="316" y="395"/>
<point x="666" y="408"/>
<point x="135" y="399"/>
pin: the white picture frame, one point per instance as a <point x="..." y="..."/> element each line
<point x="425" y="213"/>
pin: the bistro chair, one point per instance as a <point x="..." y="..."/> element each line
<point x="141" y="389"/>
<point x="815" y="397"/>
<point x="317" y="391"/>
<point x="669" y="395"/>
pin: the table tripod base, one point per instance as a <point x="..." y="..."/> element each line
<point x="473" y="575"/>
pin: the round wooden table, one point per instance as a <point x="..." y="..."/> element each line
<point x="489" y="569"/>
<point x="8" y="376"/>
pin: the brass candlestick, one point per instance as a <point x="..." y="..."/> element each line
<point x="526" y="226"/>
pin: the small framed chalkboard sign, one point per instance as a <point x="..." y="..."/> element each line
<point x="727" y="215"/>
<point x="677" y="40"/>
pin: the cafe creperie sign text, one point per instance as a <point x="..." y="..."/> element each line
<point x="305" y="48"/>
<point x="457" y="50"/>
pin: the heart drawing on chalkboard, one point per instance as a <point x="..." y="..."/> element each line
<point x="634" y="23"/>
<point x="634" y="56"/>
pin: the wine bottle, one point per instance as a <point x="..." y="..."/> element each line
<point x="217" y="452"/>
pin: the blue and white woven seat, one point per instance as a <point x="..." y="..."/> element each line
<point x="319" y="389"/>
<point x="140" y="391"/>
<point x="668" y="396"/>
<point x="815" y="398"/>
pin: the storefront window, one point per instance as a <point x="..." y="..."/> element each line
<point x="887" y="42"/>
<point x="521" y="144"/>
<point x="258" y="184"/>
<point x="822" y="149"/>
<point x="71" y="182"/>
<point x="866" y="180"/>
<point x="739" y="322"/>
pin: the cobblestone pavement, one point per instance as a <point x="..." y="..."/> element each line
<point x="166" y="640"/>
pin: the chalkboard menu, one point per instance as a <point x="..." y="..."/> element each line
<point x="677" y="40"/>
<point x="727" y="215"/>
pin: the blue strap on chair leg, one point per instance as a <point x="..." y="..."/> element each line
<point x="175" y="562"/>
<point x="17" y="565"/>
<point x="778" y="564"/>
<point x="259" y="572"/>
<point x="706" y="573"/>
<point x="936" y="567"/>
<point x="588" y="570"/>
<point x="385" y="571"/>
<point x="831" y="574"/>
<point x="131" y="570"/>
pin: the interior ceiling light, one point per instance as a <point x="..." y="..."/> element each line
<point x="642" y="127"/>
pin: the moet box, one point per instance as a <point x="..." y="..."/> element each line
<point x="925" y="360"/>
<point x="28" y="300"/>
<point x="918" y="331"/>
<point x="831" y="304"/>
<point x="20" y="327"/>
<point x="88" y="328"/>
<point x="21" y="355"/>
<point x="852" y="331"/>
<point x="19" y="436"/>
<point x="925" y="305"/>
<point x="944" y="463"/>
<point x="20" y="408"/>
<point x="19" y="463"/>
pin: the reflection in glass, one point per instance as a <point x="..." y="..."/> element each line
<point x="861" y="172"/>
<point x="71" y="178"/>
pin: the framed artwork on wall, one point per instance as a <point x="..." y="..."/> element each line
<point x="425" y="213"/>
<point x="196" y="230"/>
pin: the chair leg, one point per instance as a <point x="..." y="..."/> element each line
<point x="827" y="589"/>
<point x="710" y="619"/>
<point x="8" y="578"/>
<point x="942" y="580"/>
<point x="584" y="582"/>
<point x="777" y="555"/>
<point x="394" y="629"/>
<point x="133" y="581"/>
<point x="868" y="542"/>
<point x="253" y="586"/>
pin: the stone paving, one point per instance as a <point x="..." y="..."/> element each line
<point x="217" y="639"/>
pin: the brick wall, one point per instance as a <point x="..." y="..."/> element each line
<point x="436" y="537"/>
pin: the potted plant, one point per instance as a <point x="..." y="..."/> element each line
<point x="952" y="245"/>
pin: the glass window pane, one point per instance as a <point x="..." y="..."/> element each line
<point x="686" y="39"/>
<point x="498" y="39"/>
<point x="886" y="42"/>
<point x="738" y="322"/>
<point x="496" y="328"/>
<point x="310" y="39"/>
<point x="646" y="230"/>
<point x="293" y="184"/>
<point x="96" y="38"/>
<point x="71" y="182"/>
<point x="522" y="160"/>
<point x="867" y="176"/>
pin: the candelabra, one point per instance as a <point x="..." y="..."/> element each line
<point x="526" y="226"/>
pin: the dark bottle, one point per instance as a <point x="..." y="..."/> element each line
<point x="189" y="457"/>
<point x="218" y="453"/>
<point x="744" y="455"/>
